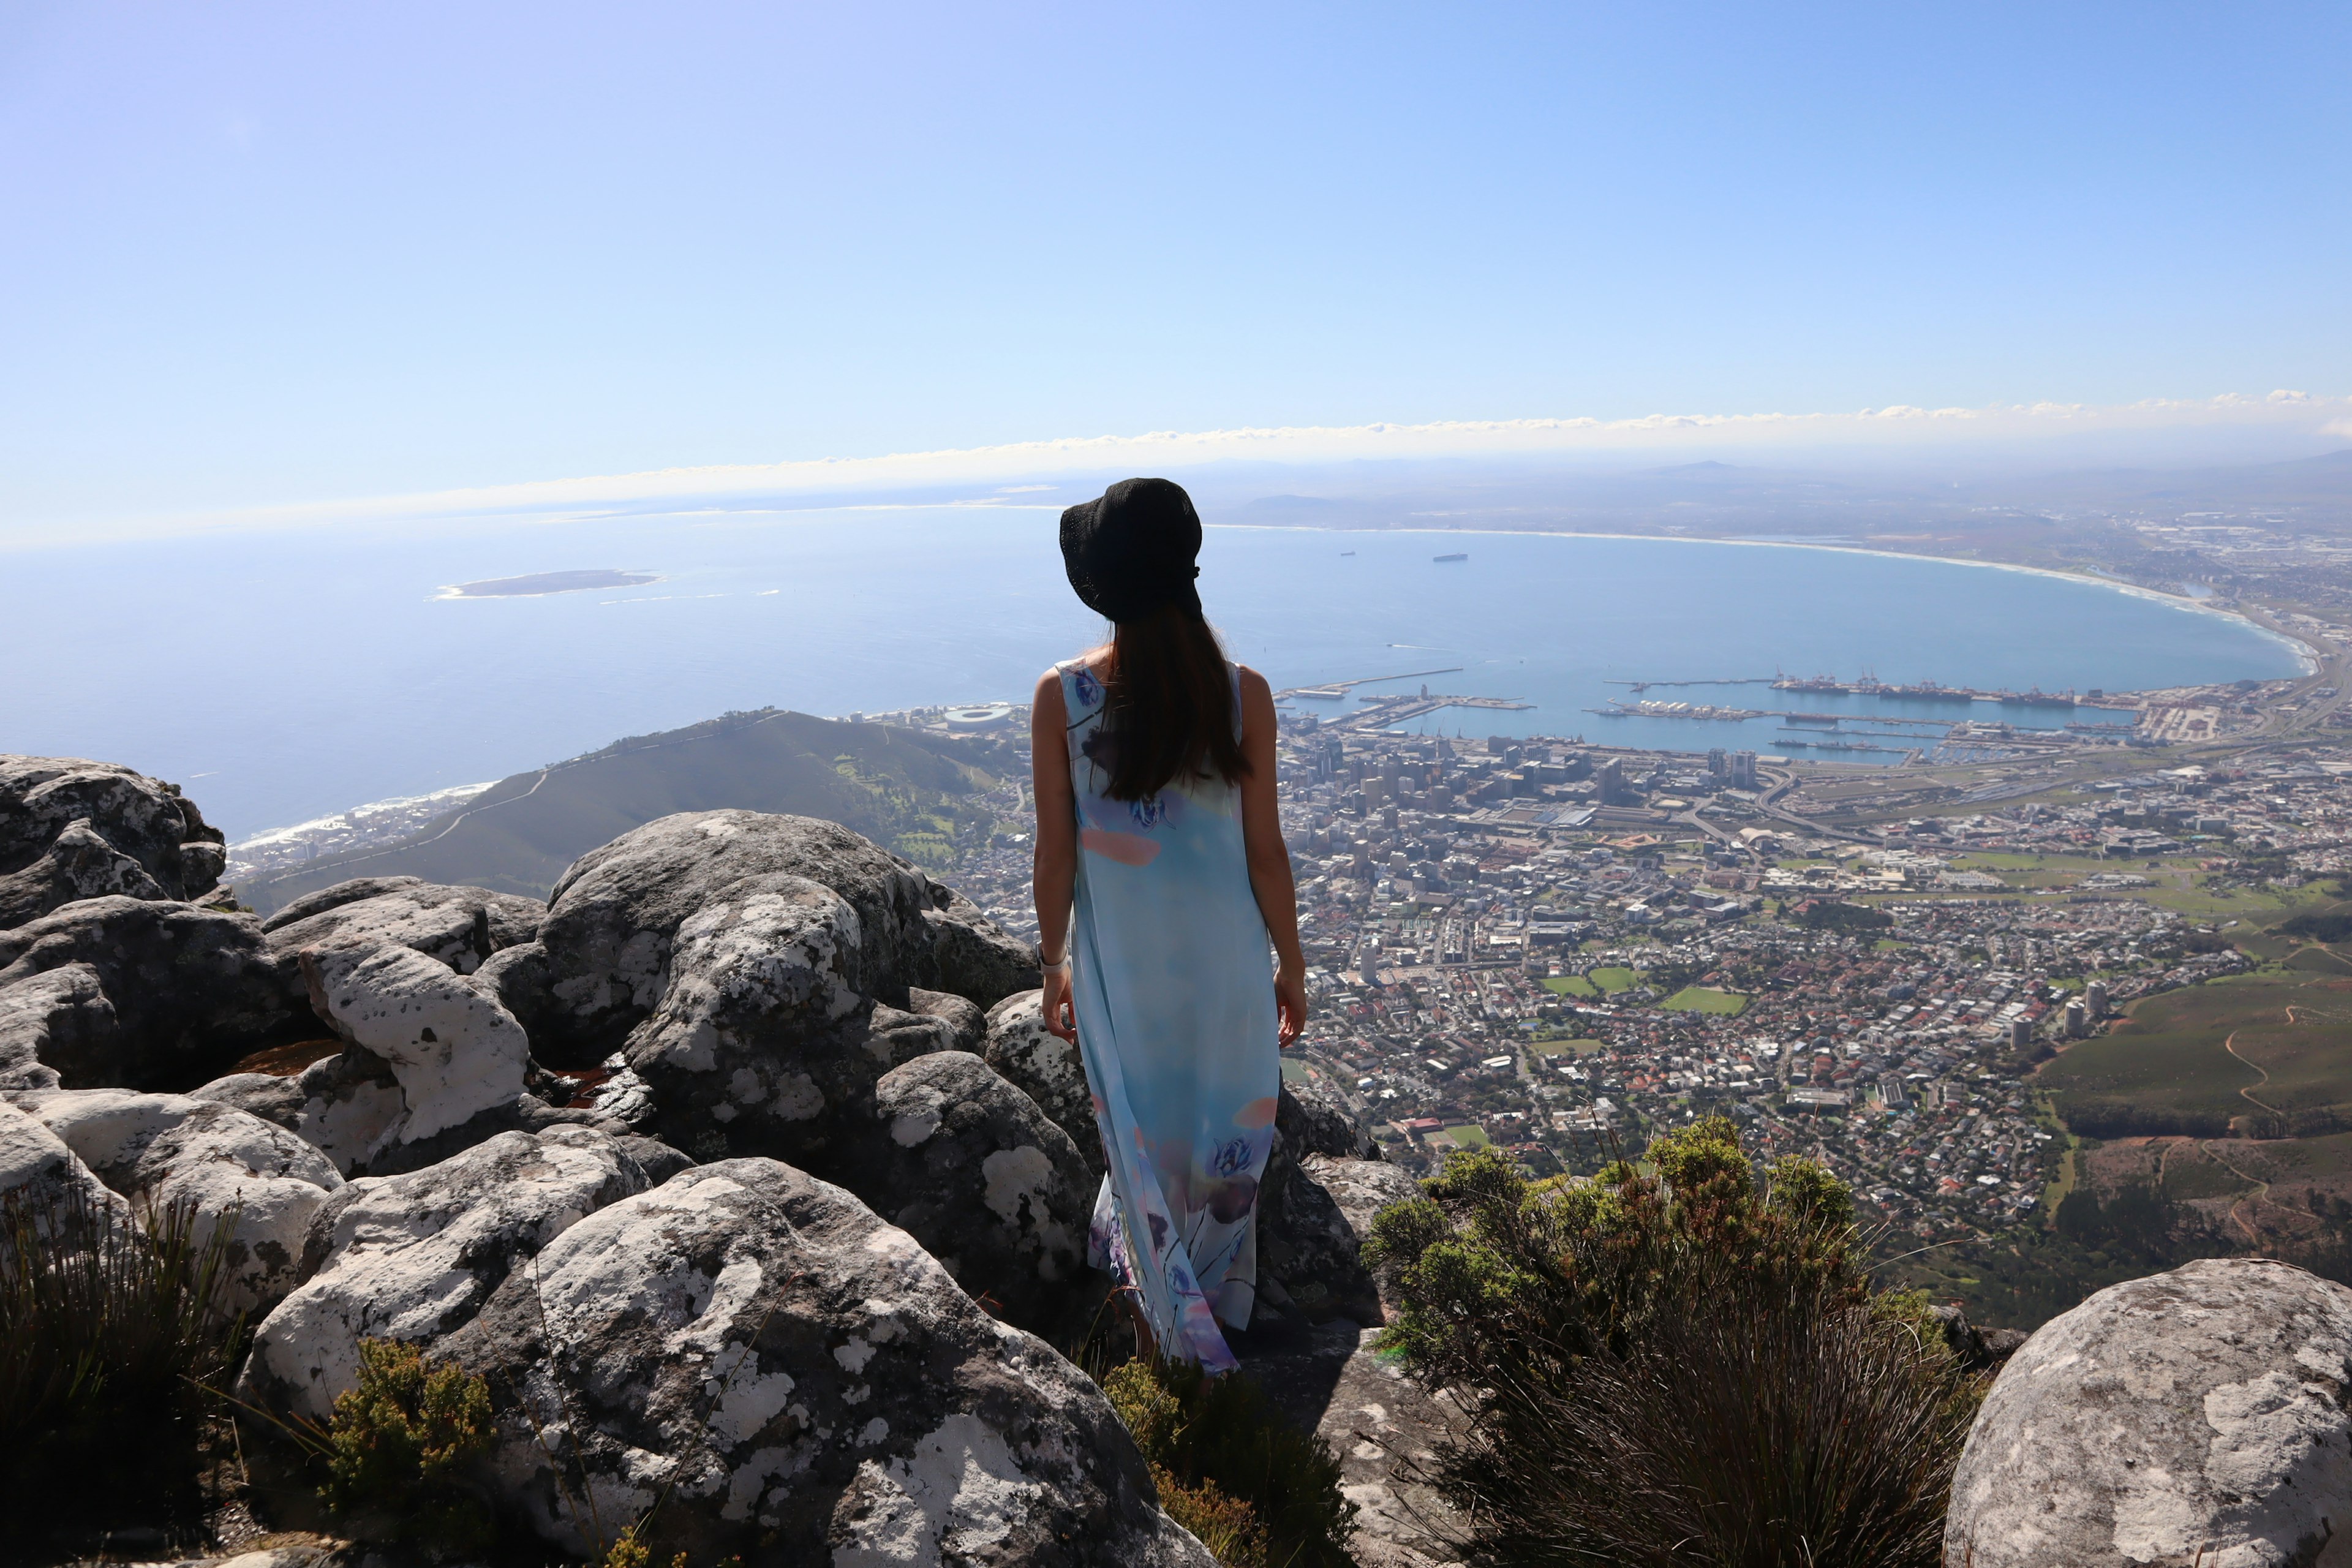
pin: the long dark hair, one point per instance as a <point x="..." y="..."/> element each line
<point x="1168" y="711"/>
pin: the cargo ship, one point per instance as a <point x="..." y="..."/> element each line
<point x="1457" y="555"/>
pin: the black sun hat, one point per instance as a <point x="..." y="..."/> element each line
<point x="1132" y="550"/>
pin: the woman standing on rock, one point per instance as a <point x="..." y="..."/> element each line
<point x="1161" y="877"/>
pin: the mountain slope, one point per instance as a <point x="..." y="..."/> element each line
<point x="903" y="788"/>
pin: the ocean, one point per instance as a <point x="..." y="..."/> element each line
<point x="280" y="676"/>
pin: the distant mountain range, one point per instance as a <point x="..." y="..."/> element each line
<point x="904" y="788"/>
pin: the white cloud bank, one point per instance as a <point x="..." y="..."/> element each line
<point x="2281" y="424"/>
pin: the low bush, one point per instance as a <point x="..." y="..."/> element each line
<point x="1257" y="1490"/>
<point x="110" y="1332"/>
<point x="1684" y="1368"/>
<point x="400" y="1443"/>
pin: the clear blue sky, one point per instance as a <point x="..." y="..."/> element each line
<point x="253" y="253"/>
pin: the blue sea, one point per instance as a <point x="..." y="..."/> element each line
<point x="281" y="676"/>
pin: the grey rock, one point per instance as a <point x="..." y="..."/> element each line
<point x="351" y="1103"/>
<point x="346" y="892"/>
<point x="180" y="994"/>
<point x="516" y="979"/>
<point x="1314" y="1119"/>
<point x="461" y="926"/>
<point x="226" y="1167"/>
<point x="972" y="955"/>
<point x="1313" y="1220"/>
<point x="656" y="1159"/>
<point x="617" y="913"/>
<point x="1045" y="1067"/>
<point x="967" y="1023"/>
<point x="792" y="1379"/>
<point x="454" y="1052"/>
<point x="763" y="1041"/>
<point x="266" y="1094"/>
<point x="38" y="1171"/>
<point x="78" y="864"/>
<point x="969" y="1167"/>
<point x="413" y="1257"/>
<point x="58" y="1014"/>
<point x="140" y="818"/>
<point x="2194" y="1416"/>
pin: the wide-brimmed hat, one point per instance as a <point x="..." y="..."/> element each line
<point x="1132" y="549"/>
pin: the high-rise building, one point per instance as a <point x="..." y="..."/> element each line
<point x="2021" y="1034"/>
<point x="2078" y="1022"/>
<point x="1743" y="770"/>
<point x="2095" y="998"/>
<point x="1718" y="762"/>
<point x="1612" y="782"/>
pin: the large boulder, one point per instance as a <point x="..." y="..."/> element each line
<point x="413" y="1257"/>
<point x="617" y="913"/>
<point x="166" y="996"/>
<point x="763" y="1040"/>
<point x="789" y="1378"/>
<point x="969" y="1167"/>
<point x="1313" y="1119"/>
<point x="120" y="814"/>
<point x="264" y="1184"/>
<point x="1313" y="1221"/>
<point x="39" y="1172"/>
<point x="2202" y="1416"/>
<point x="461" y="926"/>
<point x="1048" y="1069"/>
<point x="454" y="1052"/>
<point x="78" y="864"/>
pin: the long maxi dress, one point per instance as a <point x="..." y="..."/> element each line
<point x="1171" y="984"/>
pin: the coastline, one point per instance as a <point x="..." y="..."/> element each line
<point x="2305" y="653"/>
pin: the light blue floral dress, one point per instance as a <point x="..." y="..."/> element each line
<point x="1172" y="982"/>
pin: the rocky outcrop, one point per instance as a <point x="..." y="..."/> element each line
<point x="78" y="864"/>
<point x="1046" y="1068"/>
<point x="1313" y="1120"/>
<point x="224" y="1166"/>
<point x="164" y="996"/>
<point x="969" y="1167"/>
<point x="454" y="1052"/>
<point x="413" y="1257"/>
<point x="783" y="1372"/>
<point x="1312" y="1226"/>
<point x="618" y="913"/>
<point x="40" y="1173"/>
<point x="461" y="926"/>
<point x="67" y="825"/>
<point x="2195" y="1416"/>
<point x="966" y="1021"/>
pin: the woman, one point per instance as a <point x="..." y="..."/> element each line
<point x="1160" y="877"/>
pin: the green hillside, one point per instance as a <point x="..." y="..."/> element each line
<point x="912" y="791"/>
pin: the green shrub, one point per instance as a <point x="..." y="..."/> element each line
<point x="399" y="1444"/>
<point x="109" y="1330"/>
<point x="1684" y="1368"/>
<point x="1258" y="1491"/>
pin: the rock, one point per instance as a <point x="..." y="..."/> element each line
<point x="1314" y="1119"/>
<point x="61" y="1015"/>
<point x="266" y="1094"/>
<point x="1979" y="1350"/>
<point x="617" y="913"/>
<point x="2194" y="1416"/>
<point x="345" y="892"/>
<point x="38" y="1171"/>
<point x="516" y="979"/>
<point x="413" y="1257"/>
<point x="789" y="1378"/>
<point x="141" y="819"/>
<point x="351" y="1103"/>
<point x="161" y="1149"/>
<point x="971" y="1169"/>
<point x="455" y="1052"/>
<point x="1046" y="1068"/>
<point x="1313" y="1220"/>
<point x="972" y="955"/>
<point x="969" y="1023"/>
<point x="78" y="864"/>
<point x="461" y="926"/>
<point x="172" y="995"/>
<point x="763" y="1041"/>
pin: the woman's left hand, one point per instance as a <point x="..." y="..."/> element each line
<point x="1290" y="1000"/>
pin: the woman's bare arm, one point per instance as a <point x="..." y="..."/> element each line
<point x="1055" y="871"/>
<point x="1269" y="859"/>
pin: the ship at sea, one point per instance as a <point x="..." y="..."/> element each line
<point x="1457" y="555"/>
<point x="1924" y="691"/>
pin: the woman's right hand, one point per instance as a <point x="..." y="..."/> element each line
<point x="1060" y="1017"/>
